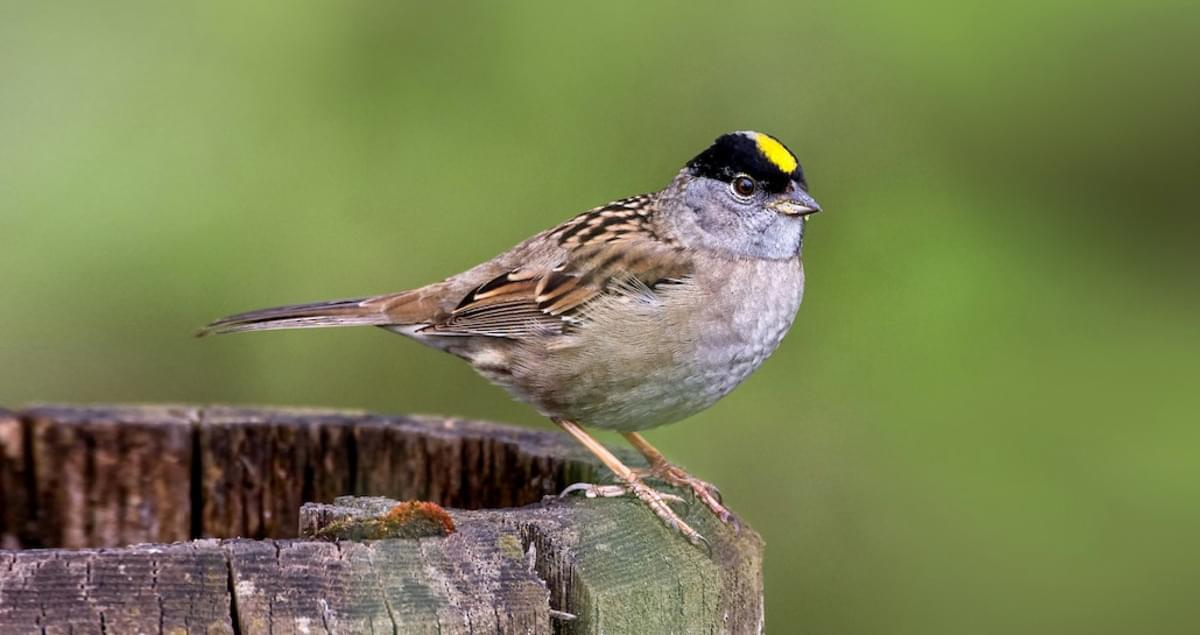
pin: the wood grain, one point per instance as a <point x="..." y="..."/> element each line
<point x="220" y="494"/>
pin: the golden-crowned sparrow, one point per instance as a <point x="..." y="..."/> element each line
<point x="632" y="315"/>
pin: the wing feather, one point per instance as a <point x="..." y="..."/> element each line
<point x="525" y="302"/>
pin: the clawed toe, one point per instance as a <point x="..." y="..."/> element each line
<point x="654" y="499"/>
<point x="703" y="487"/>
<point x="706" y="492"/>
<point x="657" y="502"/>
<point x="614" y="490"/>
<point x="631" y="482"/>
<point x="728" y="518"/>
<point x="592" y="490"/>
<point x="663" y="470"/>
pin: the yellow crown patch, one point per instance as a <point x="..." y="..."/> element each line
<point x="776" y="153"/>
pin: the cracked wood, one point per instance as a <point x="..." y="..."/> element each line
<point x="78" y="478"/>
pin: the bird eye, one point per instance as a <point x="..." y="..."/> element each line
<point x="743" y="185"/>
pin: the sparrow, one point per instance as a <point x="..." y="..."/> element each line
<point x="632" y="315"/>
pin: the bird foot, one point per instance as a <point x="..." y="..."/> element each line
<point x="707" y="492"/>
<point x="656" y="500"/>
<point x="593" y="490"/>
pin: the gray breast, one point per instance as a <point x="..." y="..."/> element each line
<point x="657" y="363"/>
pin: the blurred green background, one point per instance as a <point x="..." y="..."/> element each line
<point x="985" y="418"/>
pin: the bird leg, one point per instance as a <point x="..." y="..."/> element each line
<point x="630" y="482"/>
<point x="662" y="469"/>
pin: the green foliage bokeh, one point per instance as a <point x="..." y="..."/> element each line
<point x="980" y="420"/>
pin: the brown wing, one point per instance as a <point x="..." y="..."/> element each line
<point x="525" y="302"/>
<point x="542" y="286"/>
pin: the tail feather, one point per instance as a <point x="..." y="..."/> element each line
<point x="355" y="312"/>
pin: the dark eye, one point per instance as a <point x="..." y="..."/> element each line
<point x="743" y="185"/>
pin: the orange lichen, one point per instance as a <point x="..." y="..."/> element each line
<point x="410" y="519"/>
<point x="419" y="513"/>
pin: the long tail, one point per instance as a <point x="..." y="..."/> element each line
<point x="356" y="312"/>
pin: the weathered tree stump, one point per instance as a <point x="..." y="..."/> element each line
<point x="224" y="493"/>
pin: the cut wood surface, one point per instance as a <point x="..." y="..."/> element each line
<point x="232" y="489"/>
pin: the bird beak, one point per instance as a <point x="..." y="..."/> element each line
<point x="800" y="203"/>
